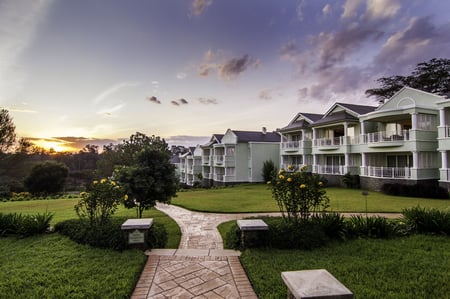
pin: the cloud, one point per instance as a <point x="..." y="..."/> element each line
<point x="226" y="68"/>
<point x="302" y="93"/>
<point x="350" y="8"/>
<point x="199" y="6"/>
<point x="265" y="94"/>
<point x="183" y="101"/>
<point x="299" y="9"/>
<point x="175" y="103"/>
<point x="382" y="9"/>
<point x="112" y="90"/>
<point x="187" y="140"/>
<point x="74" y="143"/>
<point x="19" y="23"/>
<point x="19" y="110"/>
<point x="326" y="10"/>
<point x="154" y="99"/>
<point x="208" y="101"/>
<point x="421" y="40"/>
<point x="181" y="75"/>
<point x="110" y="110"/>
<point x="179" y="102"/>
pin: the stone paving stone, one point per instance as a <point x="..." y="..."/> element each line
<point x="207" y="286"/>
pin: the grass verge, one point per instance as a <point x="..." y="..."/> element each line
<point x="258" y="198"/>
<point x="52" y="266"/>
<point x="409" y="267"/>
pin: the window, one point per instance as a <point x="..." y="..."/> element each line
<point x="426" y="122"/>
<point x="397" y="161"/>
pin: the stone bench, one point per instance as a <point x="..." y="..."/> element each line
<point x="250" y="227"/>
<point x="317" y="284"/>
<point x="136" y="231"/>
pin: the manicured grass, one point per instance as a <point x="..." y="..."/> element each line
<point x="63" y="209"/>
<point x="409" y="267"/>
<point x="258" y="198"/>
<point x="52" y="266"/>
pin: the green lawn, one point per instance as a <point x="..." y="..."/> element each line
<point x="52" y="266"/>
<point x="63" y="210"/>
<point x="258" y="198"/>
<point x="410" y="267"/>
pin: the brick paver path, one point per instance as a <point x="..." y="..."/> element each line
<point x="199" y="268"/>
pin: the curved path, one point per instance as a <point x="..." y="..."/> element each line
<point x="200" y="267"/>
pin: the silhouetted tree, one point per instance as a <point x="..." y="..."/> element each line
<point x="7" y="131"/>
<point x="432" y="76"/>
<point x="47" y="178"/>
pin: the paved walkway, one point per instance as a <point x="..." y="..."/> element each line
<point x="200" y="267"/>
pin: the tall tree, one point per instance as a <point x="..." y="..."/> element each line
<point x="431" y="76"/>
<point x="7" y="131"/>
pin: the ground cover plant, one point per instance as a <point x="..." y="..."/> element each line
<point x="408" y="267"/>
<point x="258" y="198"/>
<point x="52" y="266"/>
<point x="63" y="209"/>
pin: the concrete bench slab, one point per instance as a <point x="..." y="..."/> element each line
<point x="143" y="223"/>
<point x="252" y="224"/>
<point x="317" y="284"/>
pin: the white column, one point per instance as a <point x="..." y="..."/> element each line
<point x="444" y="160"/>
<point x="363" y="128"/>
<point x="415" y="159"/>
<point x="414" y="121"/>
<point x="363" y="164"/>
<point x="442" y="117"/>
<point x="314" y="133"/>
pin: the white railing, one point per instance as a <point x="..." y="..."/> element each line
<point x="218" y="159"/>
<point x="329" y="141"/>
<point x="206" y="159"/>
<point x="290" y="145"/>
<point x="447" y="131"/>
<point x="389" y="172"/>
<point x="218" y="177"/>
<point x="387" y="136"/>
<point x="329" y="169"/>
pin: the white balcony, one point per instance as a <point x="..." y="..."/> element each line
<point x="329" y="169"/>
<point x="387" y="137"/>
<point x="389" y="172"/>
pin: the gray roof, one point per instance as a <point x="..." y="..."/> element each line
<point x="337" y="117"/>
<point x="313" y="116"/>
<point x="299" y="124"/>
<point x="359" y="109"/>
<point x="256" y="136"/>
<point x="214" y="138"/>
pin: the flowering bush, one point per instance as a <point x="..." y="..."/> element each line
<point x="100" y="202"/>
<point x="298" y="194"/>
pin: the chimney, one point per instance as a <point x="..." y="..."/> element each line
<point x="264" y="130"/>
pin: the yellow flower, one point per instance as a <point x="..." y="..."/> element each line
<point x="125" y="197"/>
<point x="113" y="183"/>
<point x="290" y="167"/>
<point x="95" y="182"/>
<point x="289" y="179"/>
<point x="302" y="186"/>
<point x="116" y="187"/>
<point x="281" y="177"/>
<point x="83" y="193"/>
<point x="320" y="184"/>
<point x="304" y="167"/>
<point x="102" y="181"/>
<point x="269" y="182"/>
<point x="281" y="171"/>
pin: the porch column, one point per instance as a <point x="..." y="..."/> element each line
<point x="442" y="117"/>
<point x="303" y="135"/>
<point x="345" y="136"/>
<point x="346" y="163"/>
<point x="314" y="133"/>
<point x="315" y="164"/>
<point x="414" y="121"/>
<point x="443" y="170"/>
<point x="363" y="128"/>
<point x="444" y="159"/>
<point x="415" y="159"/>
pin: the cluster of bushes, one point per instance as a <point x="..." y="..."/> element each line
<point x="318" y="230"/>
<point x="24" y="225"/>
<point x="417" y="190"/>
<point x="351" y="181"/>
<point x="109" y="234"/>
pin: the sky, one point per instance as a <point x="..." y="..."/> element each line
<point x="95" y="71"/>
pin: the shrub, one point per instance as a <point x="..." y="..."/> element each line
<point x="233" y="237"/>
<point x="100" y="203"/>
<point x="371" y="227"/>
<point x="109" y="235"/>
<point x="25" y="225"/>
<point x="298" y="194"/>
<point x="417" y="190"/>
<point x="351" y="180"/>
<point x="269" y="171"/>
<point x="333" y="224"/>
<point x="47" y="178"/>
<point x="427" y="220"/>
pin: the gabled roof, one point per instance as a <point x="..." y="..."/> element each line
<point x="301" y="120"/>
<point x="256" y="136"/>
<point x="215" y="138"/>
<point x="349" y="112"/>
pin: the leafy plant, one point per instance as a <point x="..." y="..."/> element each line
<point x="100" y="203"/>
<point x="371" y="227"/>
<point x="425" y="220"/>
<point x="298" y="194"/>
<point x="47" y="178"/>
<point x="24" y="225"/>
<point x="269" y="171"/>
<point x="351" y="181"/>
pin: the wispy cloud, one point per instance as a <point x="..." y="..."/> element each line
<point x="19" y="21"/>
<point x="208" y="101"/>
<point x="112" y="90"/>
<point x="199" y="6"/>
<point x="110" y="110"/>
<point x="21" y="110"/>
<point x="179" y="102"/>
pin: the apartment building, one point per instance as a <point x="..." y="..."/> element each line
<point x="190" y="166"/>
<point x="397" y="141"/>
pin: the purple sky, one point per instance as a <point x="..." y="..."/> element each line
<point x="97" y="70"/>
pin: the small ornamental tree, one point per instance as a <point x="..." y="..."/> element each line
<point x="298" y="194"/>
<point x="100" y="202"/>
<point x="269" y="170"/>
<point x="151" y="179"/>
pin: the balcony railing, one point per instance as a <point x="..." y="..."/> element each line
<point x="290" y="145"/>
<point x="218" y="159"/>
<point x="389" y="172"/>
<point x="386" y="137"/>
<point x="206" y="159"/>
<point x="329" y="169"/>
